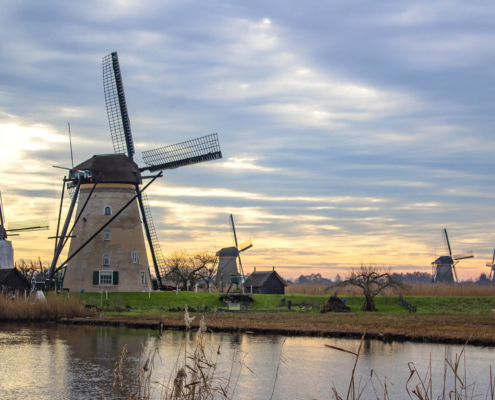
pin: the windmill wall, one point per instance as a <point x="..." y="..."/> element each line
<point x="6" y="254"/>
<point x="444" y="273"/>
<point x="122" y="274"/>
<point x="227" y="266"/>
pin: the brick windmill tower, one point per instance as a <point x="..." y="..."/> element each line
<point x="107" y="244"/>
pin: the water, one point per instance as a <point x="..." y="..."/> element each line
<point x="49" y="361"/>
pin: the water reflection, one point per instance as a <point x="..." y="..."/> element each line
<point x="49" y="361"/>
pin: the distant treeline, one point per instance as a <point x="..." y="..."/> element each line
<point x="405" y="277"/>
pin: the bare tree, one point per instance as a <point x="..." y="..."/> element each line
<point x="184" y="267"/>
<point x="372" y="280"/>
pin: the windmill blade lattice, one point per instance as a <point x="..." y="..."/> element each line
<point x="29" y="225"/>
<point x="118" y="118"/>
<point x="463" y="256"/>
<point x="160" y="267"/>
<point x="194" y="151"/>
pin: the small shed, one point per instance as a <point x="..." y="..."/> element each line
<point x="265" y="282"/>
<point x="11" y="279"/>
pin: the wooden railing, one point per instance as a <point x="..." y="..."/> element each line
<point x="409" y="306"/>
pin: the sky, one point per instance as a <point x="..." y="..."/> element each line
<point x="351" y="131"/>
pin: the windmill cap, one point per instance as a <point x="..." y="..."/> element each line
<point x="114" y="168"/>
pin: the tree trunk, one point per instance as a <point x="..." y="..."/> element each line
<point x="369" y="304"/>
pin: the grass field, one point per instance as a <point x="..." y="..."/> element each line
<point x="160" y="302"/>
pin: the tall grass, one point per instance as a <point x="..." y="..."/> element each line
<point x="416" y="289"/>
<point x="54" y="308"/>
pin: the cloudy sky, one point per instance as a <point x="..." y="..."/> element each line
<point x="351" y="131"/>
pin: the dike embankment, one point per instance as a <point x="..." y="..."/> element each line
<point x="479" y="329"/>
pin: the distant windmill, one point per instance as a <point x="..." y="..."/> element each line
<point x="107" y="247"/>
<point x="6" y="249"/>
<point x="227" y="259"/>
<point x="443" y="268"/>
<point x="491" y="265"/>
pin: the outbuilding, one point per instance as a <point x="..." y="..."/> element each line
<point x="11" y="279"/>
<point x="265" y="282"/>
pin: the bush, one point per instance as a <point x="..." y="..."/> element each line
<point x="116" y="303"/>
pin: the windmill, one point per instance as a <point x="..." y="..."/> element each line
<point x="443" y="268"/>
<point x="107" y="248"/>
<point x="491" y="265"/>
<point x="227" y="260"/>
<point x="6" y="249"/>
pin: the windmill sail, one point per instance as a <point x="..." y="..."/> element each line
<point x="29" y="225"/>
<point x="446" y="242"/>
<point x="463" y="256"/>
<point x="118" y="118"/>
<point x="194" y="151"/>
<point x="159" y="260"/>
<point x="246" y="245"/>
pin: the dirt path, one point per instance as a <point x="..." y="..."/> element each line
<point x="436" y="328"/>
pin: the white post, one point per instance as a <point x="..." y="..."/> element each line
<point x="149" y="292"/>
<point x="251" y="289"/>
<point x="209" y="287"/>
<point x="196" y="289"/>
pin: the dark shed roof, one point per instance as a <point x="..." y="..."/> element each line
<point x="114" y="168"/>
<point x="6" y="274"/>
<point x="257" y="279"/>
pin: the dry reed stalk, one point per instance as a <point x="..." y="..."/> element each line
<point x="54" y="308"/>
<point x="196" y="378"/>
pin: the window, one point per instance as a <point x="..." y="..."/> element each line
<point x="106" y="260"/>
<point x="106" y="277"/>
<point x="143" y="278"/>
<point x="107" y="234"/>
<point x="134" y="256"/>
<point x="108" y="210"/>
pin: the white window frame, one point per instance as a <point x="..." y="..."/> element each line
<point x="106" y="235"/>
<point x="135" y="257"/>
<point x="105" y="274"/>
<point x="108" y="263"/>
<point x="105" y="210"/>
<point x="143" y="277"/>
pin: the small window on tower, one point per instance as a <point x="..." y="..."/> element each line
<point x="134" y="256"/>
<point x="108" y="210"/>
<point x="106" y="260"/>
<point x="143" y="278"/>
<point x="107" y="234"/>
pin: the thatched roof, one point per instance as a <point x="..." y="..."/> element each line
<point x="114" y="168"/>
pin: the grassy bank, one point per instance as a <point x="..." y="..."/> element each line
<point x="160" y="302"/>
<point x="440" y="328"/>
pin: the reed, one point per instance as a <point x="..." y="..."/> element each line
<point x="195" y="375"/>
<point x="54" y="308"/>
<point x="420" y="387"/>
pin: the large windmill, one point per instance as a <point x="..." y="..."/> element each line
<point x="107" y="248"/>
<point x="6" y="249"/>
<point x="443" y="268"/>
<point x="227" y="259"/>
<point x="491" y="265"/>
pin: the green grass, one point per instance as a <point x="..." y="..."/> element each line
<point x="162" y="301"/>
